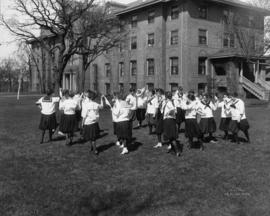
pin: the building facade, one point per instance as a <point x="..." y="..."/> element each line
<point x="186" y="43"/>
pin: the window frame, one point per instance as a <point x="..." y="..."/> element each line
<point x="151" y="41"/>
<point x="172" y="66"/>
<point x="200" y="37"/>
<point x="202" y="59"/>
<point x="121" y="69"/>
<point x="133" y="44"/>
<point x="151" y="16"/>
<point x="134" y="21"/>
<point x="203" y="10"/>
<point x="171" y="37"/>
<point x="174" y="12"/>
<point x="150" y="67"/>
<point x="132" y="63"/>
<point x="108" y="70"/>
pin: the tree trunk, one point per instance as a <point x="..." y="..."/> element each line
<point x="83" y="79"/>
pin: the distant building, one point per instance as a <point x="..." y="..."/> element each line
<point x="184" y="43"/>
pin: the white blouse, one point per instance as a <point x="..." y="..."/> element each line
<point x="132" y="100"/>
<point x="90" y="112"/>
<point x="168" y="110"/>
<point x="152" y="106"/>
<point x="122" y="111"/>
<point x="48" y="105"/>
<point x="69" y="106"/>
<point x="206" y="110"/>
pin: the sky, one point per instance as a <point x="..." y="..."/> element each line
<point x="7" y="45"/>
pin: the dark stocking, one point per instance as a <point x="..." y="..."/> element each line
<point x="50" y="135"/>
<point x="247" y="135"/>
<point x="42" y="136"/>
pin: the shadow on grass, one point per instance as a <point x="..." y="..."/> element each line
<point x="103" y="135"/>
<point x="134" y="146"/>
<point x="59" y="138"/>
<point x="113" y="203"/>
<point x="104" y="148"/>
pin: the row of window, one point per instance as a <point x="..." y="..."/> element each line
<point x="173" y="86"/>
<point x="174" y="67"/>
<point x="228" y="39"/>
<point x="174" y="14"/>
<point x="202" y="14"/>
<point x="151" y="40"/>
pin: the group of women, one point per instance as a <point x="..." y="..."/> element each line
<point x="164" y="113"/>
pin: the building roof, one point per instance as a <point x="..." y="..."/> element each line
<point x="236" y="3"/>
<point x="231" y="53"/>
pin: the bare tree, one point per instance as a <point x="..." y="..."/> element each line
<point x="97" y="39"/>
<point x="60" y="36"/>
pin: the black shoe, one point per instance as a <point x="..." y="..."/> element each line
<point x="178" y="154"/>
<point x="96" y="152"/>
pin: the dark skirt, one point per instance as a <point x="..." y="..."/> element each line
<point x="78" y="115"/>
<point x="48" y="122"/>
<point x="224" y="124"/>
<point x="91" y="132"/>
<point x="234" y="126"/>
<point x="180" y="115"/>
<point x="132" y="115"/>
<point x="124" y="130"/>
<point x="159" y="123"/>
<point x="170" y="129"/>
<point x="140" y="114"/>
<point x="208" y="125"/>
<point x="68" y="124"/>
<point x="150" y="119"/>
<point x="192" y="128"/>
<point x="244" y="125"/>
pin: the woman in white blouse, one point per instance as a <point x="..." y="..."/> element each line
<point x="68" y="123"/>
<point x="170" y="132"/>
<point x="90" y="115"/>
<point x="48" y="121"/>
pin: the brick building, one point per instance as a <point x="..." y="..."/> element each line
<point x="184" y="43"/>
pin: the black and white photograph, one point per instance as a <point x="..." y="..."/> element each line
<point x="134" y="107"/>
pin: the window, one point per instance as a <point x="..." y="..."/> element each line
<point x="174" y="65"/>
<point x="226" y="16"/>
<point x="133" y="86"/>
<point x="174" y="87"/>
<point x="202" y="87"/>
<point x="228" y="40"/>
<point x="134" y="42"/>
<point x="232" y="41"/>
<point x="174" y="37"/>
<point x="121" y="46"/>
<point x="151" y="39"/>
<point x="151" y="17"/>
<point x="121" y="69"/>
<point x="250" y="20"/>
<point x="150" y="86"/>
<point x="150" y="67"/>
<point x="174" y="12"/>
<point x="203" y="12"/>
<point x="134" y="21"/>
<point x="95" y="86"/>
<point x="108" y="88"/>
<point x="133" y="68"/>
<point x="108" y="69"/>
<point x="121" y="87"/>
<point x="202" y="37"/>
<point x="202" y="66"/>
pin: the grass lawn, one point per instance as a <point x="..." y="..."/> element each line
<point x="54" y="180"/>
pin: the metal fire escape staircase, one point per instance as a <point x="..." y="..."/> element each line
<point x="258" y="90"/>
